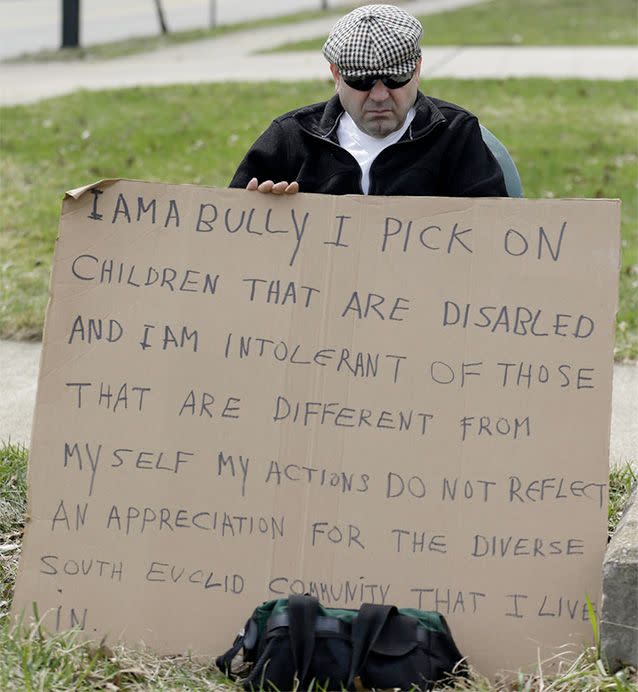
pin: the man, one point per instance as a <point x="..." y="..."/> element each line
<point x="379" y="134"/>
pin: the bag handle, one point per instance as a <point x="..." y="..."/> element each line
<point x="366" y="629"/>
<point x="302" y="618"/>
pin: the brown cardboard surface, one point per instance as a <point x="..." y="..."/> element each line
<point x="243" y="396"/>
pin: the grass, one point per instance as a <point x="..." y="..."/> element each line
<point x="32" y="660"/>
<point x="13" y="507"/>
<point x="524" y="23"/>
<point x="569" y="138"/>
<point x="145" y="44"/>
<point x="622" y="480"/>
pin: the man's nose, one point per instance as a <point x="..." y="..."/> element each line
<point x="379" y="91"/>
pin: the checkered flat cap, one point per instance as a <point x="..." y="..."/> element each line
<point x="374" y="39"/>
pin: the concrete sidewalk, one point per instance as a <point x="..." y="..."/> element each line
<point x="220" y="61"/>
<point x="233" y="58"/>
<point x="19" y="367"/>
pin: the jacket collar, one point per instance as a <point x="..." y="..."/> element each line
<point x="322" y="120"/>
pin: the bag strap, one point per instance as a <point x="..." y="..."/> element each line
<point x="256" y="678"/>
<point x="302" y="618"/>
<point x="323" y="624"/>
<point x="366" y="629"/>
<point x="224" y="661"/>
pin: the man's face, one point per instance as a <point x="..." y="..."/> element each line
<point x="379" y="111"/>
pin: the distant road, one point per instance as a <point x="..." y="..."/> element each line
<point x="27" y="26"/>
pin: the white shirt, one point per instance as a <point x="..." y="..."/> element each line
<point x="365" y="148"/>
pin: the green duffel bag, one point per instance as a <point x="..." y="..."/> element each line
<point x="296" y="643"/>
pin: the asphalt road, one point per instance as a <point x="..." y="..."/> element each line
<point x="31" y="25"/>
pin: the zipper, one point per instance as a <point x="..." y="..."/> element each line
<point x="324" y="138"/>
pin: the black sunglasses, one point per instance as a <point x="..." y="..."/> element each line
<point x="366" y="82"/>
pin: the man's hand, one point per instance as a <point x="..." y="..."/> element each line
<point x="280" y="188"/>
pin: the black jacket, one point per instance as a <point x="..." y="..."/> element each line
<point x="441" y="154"/>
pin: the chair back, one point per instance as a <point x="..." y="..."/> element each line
<point x="505" y="161"/>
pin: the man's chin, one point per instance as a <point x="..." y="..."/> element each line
<point x="381" y="125"/>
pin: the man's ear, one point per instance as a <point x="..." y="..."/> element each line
<point x="336" y="75"/>
<point x="418" y="69"/>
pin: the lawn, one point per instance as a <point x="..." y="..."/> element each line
<point x="525" y="23"/>
<point x="568" y="138"/>
<point x="30" y="660"/>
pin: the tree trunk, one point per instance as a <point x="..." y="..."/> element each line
<point x="160" y="16"/>
<point x="212" y="14"/>
<point x="70" y="23"/>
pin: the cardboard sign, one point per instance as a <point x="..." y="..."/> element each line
<point x="394" y="400"/>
